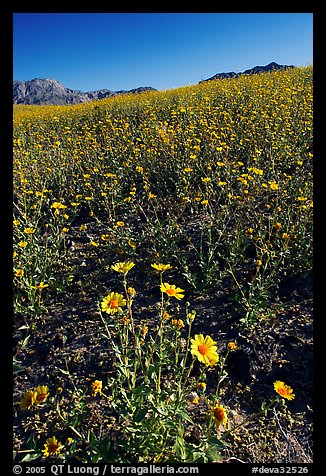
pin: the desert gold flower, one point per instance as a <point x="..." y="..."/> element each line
<point x="220" y="416"/>
<point x="166" y="315"/>
<point x="172" y="291"/>
<point x="178" y="323"/>
<point x="201" y="386"/>
<point x="41" y="285"/>
<point x="19" y="273"/>
<point x="23" y="244"/>
<point x="52" y="447"/>
<point x="123" y="267"/>
<point x="42" y="393"/>
<point x="273" y="185"/>
<point x="284" y="390"/>
<point x="205" y="349"/>
<point x="232" y="345"/>
<point x="112" y="303"/>
<point x="191" y="315"/>
<point x="256" y="171"/>
<point x="58" y="205"/>
<point x="105" y="237"/>
<point x="143" y="330"/>
<point x="96" y="387"/>
<point x="29" y="230"/>
<point x="161" y="267"/>
<point x="28" y="400"/>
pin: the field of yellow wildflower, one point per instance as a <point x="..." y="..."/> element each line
<point x="162" y="275"/>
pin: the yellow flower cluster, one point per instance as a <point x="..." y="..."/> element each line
<point x="34" y="397"/>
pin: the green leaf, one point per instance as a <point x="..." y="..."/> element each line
<point x="30" y="457"/>
<point x="179" y="448"/>
<point x="183" y="415"/>
<point x="214" y="441"/>
<point x="25" y="341"/>
<point x="139" y="415"/>
<point x="16" y="368"/>
<point x="213" y="455"/>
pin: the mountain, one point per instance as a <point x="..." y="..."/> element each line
<point x="257" y="69"/>
<point x="51" y="91"/>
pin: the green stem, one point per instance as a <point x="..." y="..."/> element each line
<point x="219" y="379"/>
<point x="109" y="335"/>
<point x="160" y="332"/>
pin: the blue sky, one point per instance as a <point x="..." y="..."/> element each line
<point x="90" y="51"/>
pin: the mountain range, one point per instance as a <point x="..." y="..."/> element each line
<point x="255" y="70"/>
<point x="51" y="91"/>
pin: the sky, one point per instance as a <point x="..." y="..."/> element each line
<point x="91" y="51"/>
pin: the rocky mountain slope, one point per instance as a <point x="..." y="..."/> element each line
<point x="257" y="69"/>
<point x="51" y="91"/>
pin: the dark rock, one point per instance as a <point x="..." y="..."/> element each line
<point x="257" y="69"/>
<point x="51" y="91"/>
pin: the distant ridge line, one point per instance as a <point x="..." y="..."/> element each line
<point x="255" y="70"/>
<point x="50" y="91"/>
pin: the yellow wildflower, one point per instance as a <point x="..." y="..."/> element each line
<point x="123" y="267"/>
<point x="96" y="387"/>
<point x="283" y="390"/>
<point x="172" y="291"/>
<point x="205" y="349"/>
<point x="161" y="267"/>
<point x="52" y="447"/>
<point x="112" y="303"/>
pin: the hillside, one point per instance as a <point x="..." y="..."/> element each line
<point x="162" y="284"/>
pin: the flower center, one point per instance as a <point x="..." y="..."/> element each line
<point x="203" y="349"/>
<point x="114" y="303"/>
<point x="41" y="397"/>
<point x="171" y="291"/>
<point x="219" y="414"/>
<point x="53" y="448"/>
